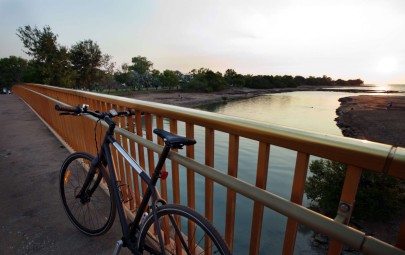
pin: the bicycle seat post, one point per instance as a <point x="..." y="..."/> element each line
<point x="159" y="165"/>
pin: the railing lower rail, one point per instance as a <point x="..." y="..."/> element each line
<point x="136" y="135"/>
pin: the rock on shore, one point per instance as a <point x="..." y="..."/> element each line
<point x="374" y="118"/>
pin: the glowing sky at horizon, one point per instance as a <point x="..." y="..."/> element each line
<point x="338" y="38"/>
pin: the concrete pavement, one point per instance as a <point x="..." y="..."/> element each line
<point x="32" y="219"/>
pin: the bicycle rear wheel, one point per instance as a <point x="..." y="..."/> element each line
<point x="184" y="231"/>
<point x="93" y="213"/>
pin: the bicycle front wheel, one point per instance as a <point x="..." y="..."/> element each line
<point x="93" y="213"/>
<point x="184" y="231"/>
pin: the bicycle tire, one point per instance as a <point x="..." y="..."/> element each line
<point x="200" y="228"/>
<point x="95" y="216"/>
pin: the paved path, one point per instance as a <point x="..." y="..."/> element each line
<point x="32" y="220"/>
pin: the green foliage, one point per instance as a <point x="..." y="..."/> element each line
<point x="379" y="197"/>
<point x="169" y="79"/>
<point x="141" y="65"/>
<point x="325" y="185"/>
<point x="205" y="80"/>
<point x="86" y="59"/>
<point x="12" y="70"/>
<point x="50" y="62"/>
<point x="349" y="82"/>
<point x="195" y="85"/>
<point x="234" y="79"/>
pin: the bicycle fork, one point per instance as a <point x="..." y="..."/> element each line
<point x="85" y="193"/>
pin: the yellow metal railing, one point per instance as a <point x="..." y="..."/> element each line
<point x="136" y="135"/>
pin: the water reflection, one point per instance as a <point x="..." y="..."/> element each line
<point x="313" y="111"/>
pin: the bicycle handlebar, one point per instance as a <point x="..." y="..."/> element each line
<point x="62" y="108"/>
<point x="100" y="115"/>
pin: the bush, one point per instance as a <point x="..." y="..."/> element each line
<point x="379" y="197"/>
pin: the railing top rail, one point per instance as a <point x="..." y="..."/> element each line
<point x="364" y="154"/>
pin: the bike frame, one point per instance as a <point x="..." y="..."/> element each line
<point x="104" y="158"/>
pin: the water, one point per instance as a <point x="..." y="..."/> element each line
<point x="313" y="111"/>
<point x="309" y="110"/>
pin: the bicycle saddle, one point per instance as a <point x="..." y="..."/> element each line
<point x="172" y="140"/>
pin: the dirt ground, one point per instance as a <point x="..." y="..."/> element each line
<point x="375" y="118"/>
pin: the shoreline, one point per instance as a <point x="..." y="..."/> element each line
<point x="368" y="117"/>
<point x="195" y="99"/>
<point x="362" y="117"/>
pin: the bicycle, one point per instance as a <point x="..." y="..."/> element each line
<point x="91" y="197"/>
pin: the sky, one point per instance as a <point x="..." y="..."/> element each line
<point x="346" y="39"/>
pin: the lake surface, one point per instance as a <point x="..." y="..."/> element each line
<point x="306" y="110"/>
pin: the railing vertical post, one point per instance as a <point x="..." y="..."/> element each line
<point x="119" y="159"/>
<point x="209" y="184"/>
<point x="148" y="127"/>
<point x="123" y="125"/>
<point x="233" y="155"/>
<point x="297" y="194"/>
<point x="190" y="181"/>
<point x="349" y="191"/>
<point x="209" y="161"/>
<point x="176" y="183"/>
<point x="261" y="182"/>
<point x="163" y="184"/>
<point x="141" y="153"/>
<point x="133" y="154"/>
<point x="175" y="168"/>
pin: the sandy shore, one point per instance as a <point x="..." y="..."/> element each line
<point x="368" y="117"/>
<point x="196" y="99"/>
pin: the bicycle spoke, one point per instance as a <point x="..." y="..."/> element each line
<point x="92" y="214"/>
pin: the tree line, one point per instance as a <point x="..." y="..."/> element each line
<point x="83" y="65"/>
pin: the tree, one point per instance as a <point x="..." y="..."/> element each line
<point x="105" y="74"/>
<point x="379" y="197"/>
<point x="86" y="59"/>
<point x="169" y="79"/>
<point x="156" y="78"/>
<point x="141" y="65"/>
<point x="12" y="70"/>
<point x="146" y="80"/>
<point x="206" y="80"/>
<point x="50" y="60"/>
<point x="234" y="79"/>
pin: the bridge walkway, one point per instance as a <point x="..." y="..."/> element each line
<point x="32" y="220"/>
